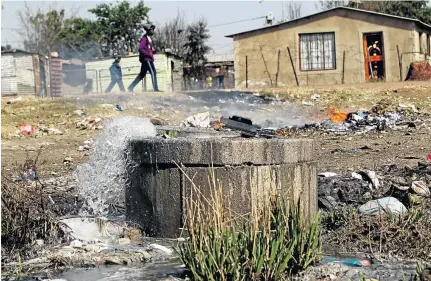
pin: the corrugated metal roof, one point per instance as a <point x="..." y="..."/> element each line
<point x="11" y="51"/>
<point x="219" y="58"/>
<point x="330" y="10"/>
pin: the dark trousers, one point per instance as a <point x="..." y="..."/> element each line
<point x="112" y="84"/>
<point x="146" y="66"/>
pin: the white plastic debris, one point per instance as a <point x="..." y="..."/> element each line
<point x="164" y="249"/>
<point x="357" y="176"/>
<point x="371" y="177"/>
<point x="383" y="205"/>
<point x="200" y="120"/>
<point x="76" y="244"/>
<point x="315" y="97"/>
<point x="327" y="174"/>
<point x="420" y="188"/>
<point x="79" y="112"/>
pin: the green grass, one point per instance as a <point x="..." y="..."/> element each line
<point x="272" y="242"/>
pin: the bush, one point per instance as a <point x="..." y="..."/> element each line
<point x="270" y="243"/>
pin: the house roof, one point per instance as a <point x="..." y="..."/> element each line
<point x="11" y="51"/>
<point x="330" y="10"/>
<point x="219" y="58"/>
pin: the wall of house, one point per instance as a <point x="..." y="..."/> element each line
<point x="131" y="67"/>
<point x="423" y="46"/>
<point x="262" y="47"/>
<point x="18" y="74"/>
<point x="8" y="75"/>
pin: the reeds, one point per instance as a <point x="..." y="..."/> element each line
<point x="271" y="242"/>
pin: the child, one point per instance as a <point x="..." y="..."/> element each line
<point x="116" y="75"/>
<point x="146" y="58"/>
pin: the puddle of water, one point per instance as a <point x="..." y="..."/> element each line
<point x="152" y="271"/>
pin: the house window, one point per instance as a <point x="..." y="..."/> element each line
<point x="317" y="51"/>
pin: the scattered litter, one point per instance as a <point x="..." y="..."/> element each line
<point x="76" y="244"/>
<point x="89" y="123"/>
<point x="357" y="176"/>
<point x="315" y="97"/>
<point x="13" y="101"/>
<point x="26" y="129"/>
<point x="68" y="160"/>
<point x="29" y="175"/>
<point x="410" y="106"/>
<point x="420" y="188"/>
<point x="307" y="103"/>
<point x="120" y="107"/>
<point x="383" y="205"/>
<point x="349" y="262"/>
<point x="201" y="120"/>
<point x="429" y="157"/>
<point x="79" y="112"/>
<point x="327" y="174"/>
<point x="106" y="105"/>
<point x="161" y="248"/>
<point x="123" y="241"/>
<point x="371" y="177"/>
<point x="39" y="242"/>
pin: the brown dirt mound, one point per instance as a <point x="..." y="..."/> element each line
<point x="419" y="71"/>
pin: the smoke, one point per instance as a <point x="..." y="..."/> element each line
<point x="263" y="112"/>
<point x="101" y="180"/>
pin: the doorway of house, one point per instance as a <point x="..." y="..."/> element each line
<point x="374" y="60"/>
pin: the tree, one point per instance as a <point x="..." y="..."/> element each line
<point x="293" y="10"/>
<point x="324" y="5"/>
<point x="42" y="31"/>
<point x="171" y="35"/>
<point x="81" y="39"/>
<point x="196" y="48"/>
<point x="120" y="26"/>
<point x="410" y="9"/>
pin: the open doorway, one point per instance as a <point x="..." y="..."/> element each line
<point x="374" y="61"/>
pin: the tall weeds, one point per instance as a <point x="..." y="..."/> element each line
<point x="271" y="242"/>
<point x="27" y="213"/>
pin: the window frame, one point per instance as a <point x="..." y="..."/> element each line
<point x="309" y="42"/>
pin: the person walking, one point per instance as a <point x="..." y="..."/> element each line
<point x="116" y="75"/>
<point x="146" y="57"/>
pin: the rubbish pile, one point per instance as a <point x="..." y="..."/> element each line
<point x="90" y="123"/>
<point x="382" y="117"/>
<point x="395" y="190"/>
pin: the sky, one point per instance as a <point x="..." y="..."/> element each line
<point x="215" y="12"/>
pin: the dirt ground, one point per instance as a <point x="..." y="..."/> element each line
<point x="394" y="147"/>
<point x="404" y="147"/>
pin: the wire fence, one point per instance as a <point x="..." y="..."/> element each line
<point x="95" y="81"/>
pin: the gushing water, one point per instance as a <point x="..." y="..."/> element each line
<point x="101" y="180"/>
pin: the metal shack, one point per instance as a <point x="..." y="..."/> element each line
<point x="168" y="67"/>
<point x="24" y="73"/>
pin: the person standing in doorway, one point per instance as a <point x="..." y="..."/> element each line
<point x="146" y="57"/>
<point x="116" y="75"/>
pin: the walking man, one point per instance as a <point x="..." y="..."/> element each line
<point x="146" y="58"/>
<point x="116" y="75"/>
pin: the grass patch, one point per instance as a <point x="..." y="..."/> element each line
<point x="272" y="242"/>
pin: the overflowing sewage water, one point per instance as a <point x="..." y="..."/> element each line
<point x="101" y="179"/>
